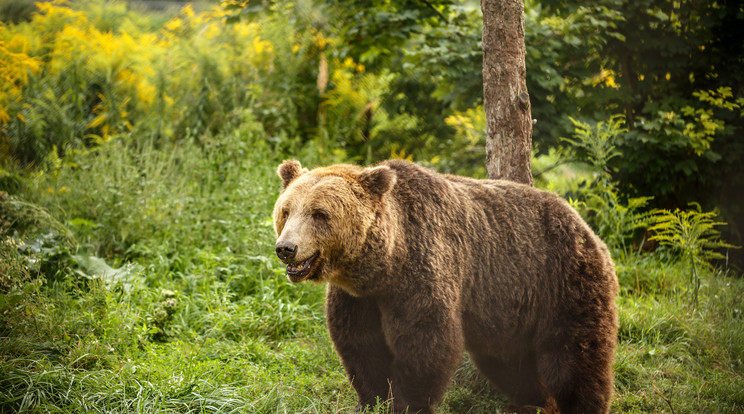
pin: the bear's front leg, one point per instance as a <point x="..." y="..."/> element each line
<point x="426" y="340"/>
<point x="356" y="330"/>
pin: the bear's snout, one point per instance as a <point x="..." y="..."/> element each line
<point x="286" y="251"/>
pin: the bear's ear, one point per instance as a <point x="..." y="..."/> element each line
<point x="377" y="180"/>
<point x="289" y="170"/>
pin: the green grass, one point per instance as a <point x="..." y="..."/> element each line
<point x="140" y="278"/>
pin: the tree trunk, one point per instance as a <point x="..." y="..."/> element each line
<point x="505" y="97"/>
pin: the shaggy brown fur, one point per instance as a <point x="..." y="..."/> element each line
<point x="422" y="265"/>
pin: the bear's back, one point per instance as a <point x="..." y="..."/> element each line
<point x="505" y="244"/>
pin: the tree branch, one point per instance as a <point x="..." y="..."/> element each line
<point x="431" y="6"/>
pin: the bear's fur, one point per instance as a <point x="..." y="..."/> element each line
<point x="422" y="265"/>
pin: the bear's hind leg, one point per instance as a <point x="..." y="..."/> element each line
<point x="355" y="328"/>
<point x="580" y="381"/>
<point x="517" y="380"/>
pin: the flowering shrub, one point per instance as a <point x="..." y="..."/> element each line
<point x="70" y="80"/>
<point x="79" y="74"/>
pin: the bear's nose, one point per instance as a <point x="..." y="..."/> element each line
<point x="286" y="251"/>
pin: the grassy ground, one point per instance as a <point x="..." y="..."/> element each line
<point x="142" y="279"/>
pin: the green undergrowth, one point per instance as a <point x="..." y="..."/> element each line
<point x="141" y="278"/>
<point x="673" y="358"/>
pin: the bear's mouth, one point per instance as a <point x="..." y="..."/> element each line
<point x="298" y="272"/>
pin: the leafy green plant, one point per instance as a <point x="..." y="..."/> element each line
<point x="616" y="221"/>
<point x="596" y="143"/>
<point x="614" y="218"/>
<point x="693" y="234"/>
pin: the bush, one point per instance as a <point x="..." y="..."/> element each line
<point x="77" y="80"/>
<point x="692" y="233"/>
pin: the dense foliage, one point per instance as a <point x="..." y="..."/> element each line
<point x="664" y="65"/>
<point x="137" y="174"/>
<point x="667" y="66"/>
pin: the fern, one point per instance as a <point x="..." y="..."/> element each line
<point x="616" y="220"/>
<point x="693" y="234"/>
<point x="598" y="142"/>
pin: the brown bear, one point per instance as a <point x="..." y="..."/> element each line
<point x="422" y="265"/>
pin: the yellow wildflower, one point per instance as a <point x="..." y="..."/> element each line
<point x="15" y="65"/>
<point x="188" y="11"/>
<point x="320" y="41"/>
<point x="145" y="92"/>
<point x="212" y="30"/>
<point x="174" y="25"/>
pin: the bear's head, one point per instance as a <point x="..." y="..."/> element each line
<point x="322" y="217"/>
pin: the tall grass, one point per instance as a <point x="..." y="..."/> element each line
<point x="197" y="300"/>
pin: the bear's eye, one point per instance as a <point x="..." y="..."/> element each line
<point x="285" y="214"/>
<point x="320" y="215"/>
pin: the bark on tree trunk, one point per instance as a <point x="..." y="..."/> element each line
<point x="505" y="97"/>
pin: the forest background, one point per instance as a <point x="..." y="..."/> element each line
<point x="137" y="159"/>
